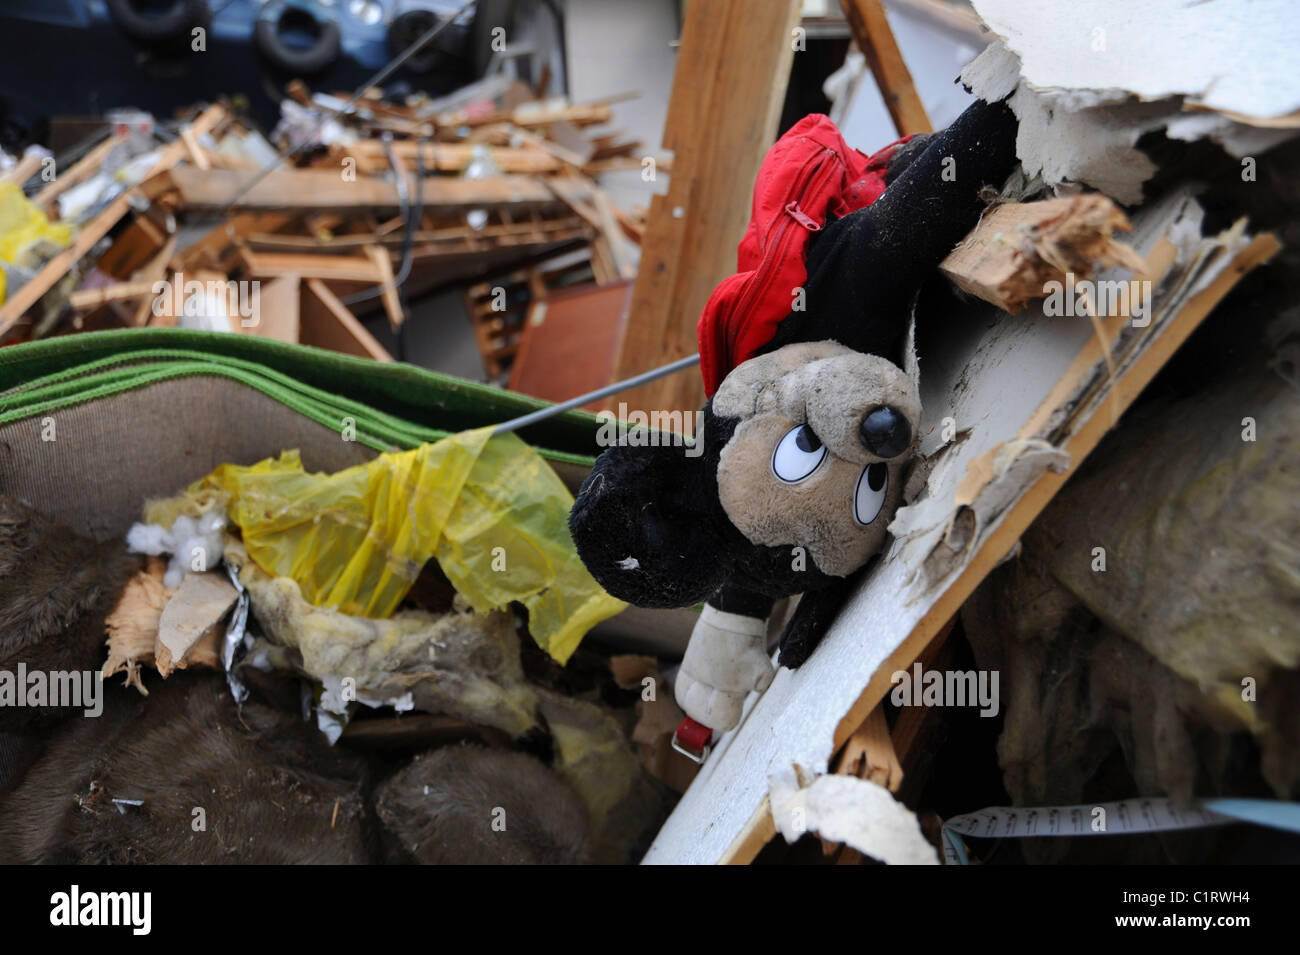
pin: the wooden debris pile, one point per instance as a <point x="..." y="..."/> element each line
<point x="369" y="205"/>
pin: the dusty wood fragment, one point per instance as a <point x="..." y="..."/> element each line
<point x="869" y="754"/>
<point x="1017" y="248"/>
<point x="81" y="170"/>
<point x="195" y="611"/>
<point x="326" y="190"/>
<point x="117" y="292"/>
<point x="132" y="627"/>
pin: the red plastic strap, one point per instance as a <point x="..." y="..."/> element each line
<point x="693" y="735"/>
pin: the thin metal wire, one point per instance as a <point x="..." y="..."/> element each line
<point x="655" y="373"/>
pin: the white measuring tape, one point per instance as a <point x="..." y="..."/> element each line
<point x="1125" y="817"/>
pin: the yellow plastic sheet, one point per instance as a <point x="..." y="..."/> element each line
<point x="21" y="225"/>
<point x="489" y="509"/>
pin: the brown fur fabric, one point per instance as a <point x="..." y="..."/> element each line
<point x="56" y="588"/>
<point x="276" y="794"/>
<point x="441" y="809"/>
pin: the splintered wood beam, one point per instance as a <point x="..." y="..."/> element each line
<point x="333" y="268"/>
<point x="322" y="190"/>
<point x="875" y="39"/>
<point x="722" y="117"/>
<point x="452" y="157"/>
<point x="1019" y="247"/>
<point x="118" y="292"/>
<point x="81" y="170"/>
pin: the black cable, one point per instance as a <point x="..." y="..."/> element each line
<point x="411" y="216"/>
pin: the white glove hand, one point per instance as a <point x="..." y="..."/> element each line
<point x="725" y="660"/>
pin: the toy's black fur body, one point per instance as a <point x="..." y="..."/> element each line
<point x="663" y="509"/>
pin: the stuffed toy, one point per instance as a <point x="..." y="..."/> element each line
<point x="810" y="420"/>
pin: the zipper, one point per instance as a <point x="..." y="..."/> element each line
<point x="821" y="166"/>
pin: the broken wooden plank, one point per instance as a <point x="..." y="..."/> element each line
<point x="196" y="153"/>
<point x="26" y="167"/>
<point x="325" y="322"/>
<point x="461" y="236"/>
<point x="1018" y="248"/>
<point x="533" y="116"/>
<point x="692" y="231"/>
<point x="388" y="292"/>
<point x="451" y="157"/>
<point x="872" y="34"/>
<point x="335" y="268"/>
<point x="192" y="614"/>
<point x="117" y="292"/>
<point x="324" y="190"/>
<point x="81" y="170"/>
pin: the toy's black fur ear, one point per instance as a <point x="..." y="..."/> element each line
<point x="650" y="528"/>
<point x="648" y="524"/>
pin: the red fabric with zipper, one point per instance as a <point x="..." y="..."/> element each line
<point x="809" y="174"/>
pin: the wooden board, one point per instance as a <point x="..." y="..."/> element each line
<point x="569" y="341"/>
<point x="875" y="39"/>
<point x="277" y="310"/>
<point x="325" y="322"/>
<point x="722" y="117"/>
<point x="1061" y="393"/>
<point x="325" y="190"/>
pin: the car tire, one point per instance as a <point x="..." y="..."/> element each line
<point x="313" y="59"/>
<point x="157" y="26"/>
<point x="408" y="27"/>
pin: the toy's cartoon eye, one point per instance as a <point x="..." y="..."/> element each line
<point x="869" y="496"/>
<point x="798" y="454"/>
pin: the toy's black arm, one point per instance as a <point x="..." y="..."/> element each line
<point x="816" y="611"/>
<point x="864" y="269"/>
<point x="731" y="598"/>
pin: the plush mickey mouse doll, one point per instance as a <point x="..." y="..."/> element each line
<point x="811" y="420"/>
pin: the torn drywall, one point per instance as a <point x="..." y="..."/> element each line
<point x="1088" y="80"/>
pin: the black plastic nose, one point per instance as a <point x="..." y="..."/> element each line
<point x="885" y="432"/>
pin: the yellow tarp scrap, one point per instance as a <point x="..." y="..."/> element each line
<point x="490" y="510"/>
